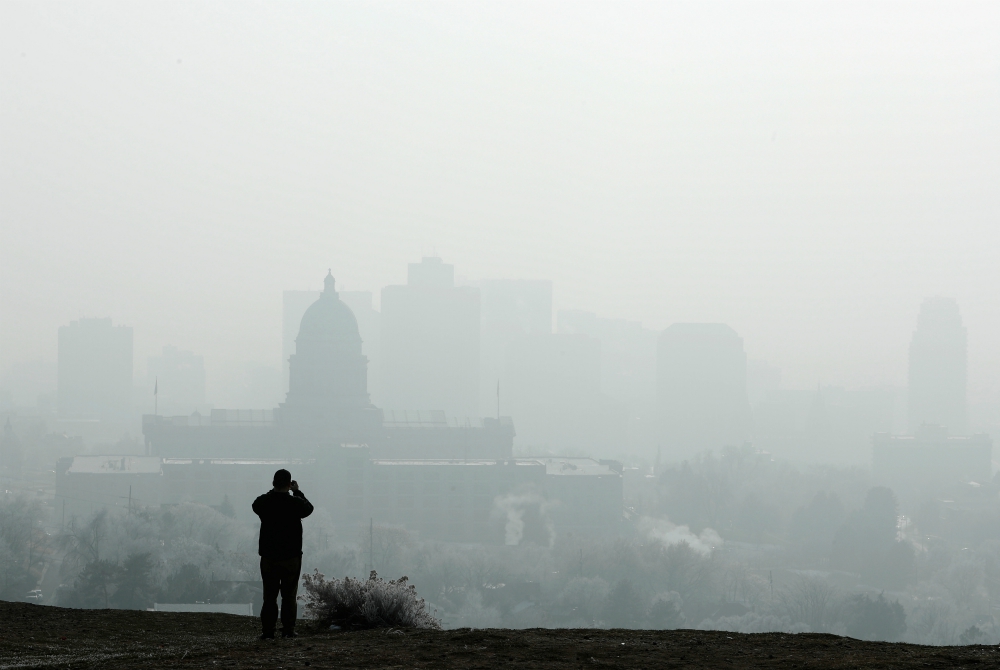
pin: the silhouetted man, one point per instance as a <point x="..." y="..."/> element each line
<point x="281" y="515"/>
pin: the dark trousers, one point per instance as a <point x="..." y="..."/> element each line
<point x="280" y="576"/>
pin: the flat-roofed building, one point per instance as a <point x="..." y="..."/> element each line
<point x="89" y="483"/>
<point x="448" y="500"/>
<point x="487" y="501"/>
<point x="95" y="370"/>
<point x="85" y="484"/>
<point x="232" y="433"/>
<point x="585" y="496"/>
<point x="433" y="434"/>
<point x="931" y="460"/>
<point x="229" y="485"/>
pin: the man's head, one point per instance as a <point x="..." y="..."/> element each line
<point x="282" y="479"/>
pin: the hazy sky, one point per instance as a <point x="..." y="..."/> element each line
<point x="806" y="172"/>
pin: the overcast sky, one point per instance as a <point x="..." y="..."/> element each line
<point x="806" y="172"/>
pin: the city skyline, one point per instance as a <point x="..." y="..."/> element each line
<point x="621" y="382"/>
<point x="358" y="298"/>
<point x="810" y="202"/>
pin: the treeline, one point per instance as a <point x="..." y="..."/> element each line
<point x="734" y="541"/>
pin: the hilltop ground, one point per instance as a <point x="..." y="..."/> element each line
<point x="33" y="636"/>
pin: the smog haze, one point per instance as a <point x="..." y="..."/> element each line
<point x="804" y="172"/>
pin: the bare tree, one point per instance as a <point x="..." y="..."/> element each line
<point x="812" y="601"/>
<point x="82" y="542"/>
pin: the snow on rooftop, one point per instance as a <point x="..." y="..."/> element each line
<point x="126" y="465"/>
<point x="576" y="466"/>
<point x="453" y="461"/>
<point x="427" y="419"/>
<point x="232" y="461"/>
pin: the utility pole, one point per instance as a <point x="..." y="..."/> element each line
<point x="371" y="545"/>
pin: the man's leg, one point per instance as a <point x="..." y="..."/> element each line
<point x="271" y="576"/>
<point x="289" y="588"/>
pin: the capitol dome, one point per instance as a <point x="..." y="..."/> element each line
<point x="328" y="368"/>
<point x="329" y="320"/>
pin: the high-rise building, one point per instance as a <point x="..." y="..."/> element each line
<point x="628" y="372"/>
<point x="701" y="375"/>
<point x="178" y="377"/>
<point x="938" y="362"/>
<point x="430" y="342"/>
<point x="553" y="392"/>
<point x="510" y="309"/>
<point x="95" y="369"/>
<point x="628" y="354"/>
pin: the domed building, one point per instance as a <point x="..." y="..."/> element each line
<point x="328" y="407"/>
<point x="328" y="365"/>
<point x="328" y="402"/>
<point x="436" y="475"/>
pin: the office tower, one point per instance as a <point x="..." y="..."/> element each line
<point x="179" y="380"/>
<point x="628" y="372"/>
<point x="94" y="370"/>
<point x="430" y="342"/>
<point x="701" y="374"/>
<point x="628" y="355"/>
<point x="552" y="390"/>
<point x="938" y="363"/>
<point x="510" y="309"/>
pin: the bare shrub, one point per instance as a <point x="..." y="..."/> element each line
<point x="371" y="603"/>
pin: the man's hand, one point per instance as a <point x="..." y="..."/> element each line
<point x="294" y="486"/>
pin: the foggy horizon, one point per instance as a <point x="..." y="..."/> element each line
<point x="806" y="174"/>
<point x="671" y="317"/>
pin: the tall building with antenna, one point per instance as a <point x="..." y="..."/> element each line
<point x="938" y="368"/>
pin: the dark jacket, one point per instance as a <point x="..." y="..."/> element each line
<point x="281" y="517"/>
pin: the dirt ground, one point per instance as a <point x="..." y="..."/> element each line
<point x="33" y="636"/>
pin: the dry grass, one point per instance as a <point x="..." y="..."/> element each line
<point x="48" y="637"/>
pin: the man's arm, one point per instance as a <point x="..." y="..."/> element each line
<point x="306" y="507"/>
<point x="258" y="505"/>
